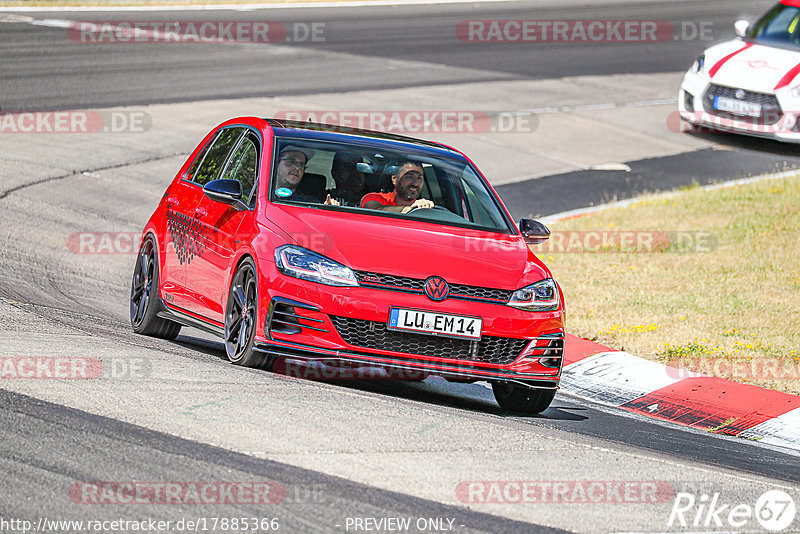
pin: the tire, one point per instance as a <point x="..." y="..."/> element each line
<point x="144" y="296"/>
<point x="522" y="399"/>
<point x="241" y="319"/>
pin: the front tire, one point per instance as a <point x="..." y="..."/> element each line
<point x="241" y="319"/>
<point x="521" y="399"/>
<point x="144" y="296"/>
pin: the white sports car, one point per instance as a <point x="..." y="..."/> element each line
<point x="750" y="85"/>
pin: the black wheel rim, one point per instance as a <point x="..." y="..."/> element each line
<point x="142" y="283"/>
<point x="240" y="318"/>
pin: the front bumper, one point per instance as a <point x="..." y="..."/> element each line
<point x="407" y="365"/>
<point x="308" y="321"/>
<point x="781" y="125"/>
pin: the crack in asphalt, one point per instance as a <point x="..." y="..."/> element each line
<point x="7" y="192"/>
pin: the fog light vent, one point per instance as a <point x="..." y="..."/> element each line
<point x="284" y="320"/>
<point x="548" y="349"/>
<point x="285" y="317"/>
<point x="688" y="101"/>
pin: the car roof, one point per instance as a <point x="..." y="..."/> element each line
<point x="314" y="130"/>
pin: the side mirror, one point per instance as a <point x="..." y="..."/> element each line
<point x="226" y="191"/>
<point x="533" y="231"/>
<point x="741" y="27"/>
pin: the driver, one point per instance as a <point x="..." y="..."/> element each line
<point x="408" y="184"/>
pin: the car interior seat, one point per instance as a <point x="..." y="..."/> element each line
<point x="313" y="185"/>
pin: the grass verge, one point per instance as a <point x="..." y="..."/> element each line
<point x="708" y="280"/>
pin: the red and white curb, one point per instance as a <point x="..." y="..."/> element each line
<point x="622" y="380"/>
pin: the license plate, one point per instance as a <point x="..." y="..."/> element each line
<point x="738" y="107"/>
<point x="436" y="324"/>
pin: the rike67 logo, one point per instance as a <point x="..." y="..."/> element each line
<point x="774" y="511"/>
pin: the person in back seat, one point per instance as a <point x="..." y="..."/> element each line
<point x="350" y="182"/>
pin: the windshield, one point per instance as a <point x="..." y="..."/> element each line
<point x="779" y="27"/>
<point x="397" y="182"/>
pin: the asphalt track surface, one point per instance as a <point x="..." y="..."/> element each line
<point x="582" y="189"/>
<point x="43" y="69"/>
<point x="147" y="429"/>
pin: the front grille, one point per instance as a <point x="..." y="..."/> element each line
<point x="770" y="109"/>
<point x="482" y="293"/>
<point x="390" y="281"/>
<point x="375" y="335"/>
<point x="417" y="285"/>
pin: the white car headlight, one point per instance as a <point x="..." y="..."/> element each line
<point x="541" y="296"/>
<point x="302" y="263"/>
<point x="796" y="91"/>
<point x="699" y="64"/>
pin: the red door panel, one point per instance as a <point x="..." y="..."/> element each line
<point x="182" y="238"/>
<point x="207" y="275"/>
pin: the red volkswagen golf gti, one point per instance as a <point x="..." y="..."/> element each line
<point x="304" y="242"/>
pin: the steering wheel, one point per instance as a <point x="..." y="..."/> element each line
<point x="435" y="207"/>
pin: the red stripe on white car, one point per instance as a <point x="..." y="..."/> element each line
<point x="788" y="77"/>
<point x="791" y="3"/>
<point x="724" y="60"/>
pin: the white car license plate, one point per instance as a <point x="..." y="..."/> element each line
<point x="738" y="107"/>
<point x="425" y="322"/>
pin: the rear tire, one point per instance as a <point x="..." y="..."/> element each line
<point x="522" y="399"/>
<point x="241" y="319"/>
<point x="144" y="296"/>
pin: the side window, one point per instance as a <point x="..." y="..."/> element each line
<point x="479" y="213"/>
<point x="431" y="189"/>
<point x="217" y="155"/>
<point x="196" y="163"/>
<point x="242" y="167"/>
<point x="479" y="201"/>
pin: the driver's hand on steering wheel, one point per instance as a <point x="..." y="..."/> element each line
<point x="420" y="203"/>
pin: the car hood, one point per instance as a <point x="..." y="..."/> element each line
<point x="389" y="245"/>
<point x="759" y="68"/>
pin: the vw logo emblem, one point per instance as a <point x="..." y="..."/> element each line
<point x="436" y="288"/>
<point x="740" y="94"/>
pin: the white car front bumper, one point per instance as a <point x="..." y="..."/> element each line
<point x="780" y="123"/>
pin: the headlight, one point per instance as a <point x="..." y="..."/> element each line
<point x="796" y="91"/>
<point x="541" y="296"/>
<point x="302" y="263"/>
<point x="699" y="64"/>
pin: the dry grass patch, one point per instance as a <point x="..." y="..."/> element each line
<point x="706" y="279"/>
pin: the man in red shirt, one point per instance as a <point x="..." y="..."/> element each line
<point x="408" y="184"/>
